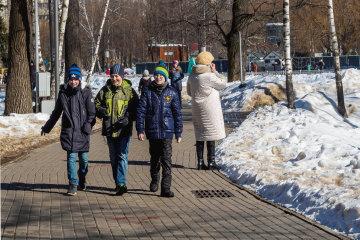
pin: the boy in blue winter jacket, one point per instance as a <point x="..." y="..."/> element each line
<point x="159" y="117"/>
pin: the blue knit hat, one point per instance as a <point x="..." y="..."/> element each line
<point x="162" y="71"/>
<point x="74" y="72"/>
<point x="117" y="69"/>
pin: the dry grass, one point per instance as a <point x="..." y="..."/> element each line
<point x="268" y="97"/>
<point x="32" y="140"/>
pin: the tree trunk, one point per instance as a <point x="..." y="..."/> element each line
<point x="335" y="48"/>
<point x="288" y="64"/>
<point x="18" y="90"/>
<point x="98" y="42"/>
<point x="72" y="37"/>
<point x="63" y="20"/>
<point x="233" y="57"/>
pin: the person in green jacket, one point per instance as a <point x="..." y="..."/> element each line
<point x="116" y="104"/>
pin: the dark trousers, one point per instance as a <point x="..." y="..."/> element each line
<point x="160" y="152"/>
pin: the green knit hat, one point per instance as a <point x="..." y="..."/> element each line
<point x="162" y="71"/>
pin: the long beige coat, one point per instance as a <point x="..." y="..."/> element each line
<point x="203" y="86"/>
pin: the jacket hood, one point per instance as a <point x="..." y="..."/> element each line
<point x="125" y="83"/>
<point x="200" y="68"/>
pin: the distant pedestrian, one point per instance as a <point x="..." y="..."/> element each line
<point x="159" y="117"/>
<point x="255" y="67"/>
<point x="203" y="86"/>
<point x="116" y="104"/>
<point x="1" y="76"/>
<point x="32" y="75"/>
<point x="144" y="81"/>
<point x="321" y="65"/>
<point x="76" y="105"/>
<point x="176" y="75"/>
<point x="191" y="64"/>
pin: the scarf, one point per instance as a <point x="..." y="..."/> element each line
<point x="157" y="88"/>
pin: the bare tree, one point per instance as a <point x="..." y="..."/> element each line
<point x="72" y="36"/>
<point x="98" y="42"/>
<point x="335" y="49"/>
<point x="288" y="63"/>
<point x="18" y="90"/>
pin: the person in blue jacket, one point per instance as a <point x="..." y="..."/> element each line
<point x="176" y="75"/>
<point x="159" y="117"/>
<point x="77" y="107"/>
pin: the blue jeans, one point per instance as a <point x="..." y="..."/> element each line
<point x="118" y="151"/>
<point x="71" y="166"/>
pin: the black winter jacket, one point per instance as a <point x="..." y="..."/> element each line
<point x="78" y="114"/>
<point x="159" y="116"/>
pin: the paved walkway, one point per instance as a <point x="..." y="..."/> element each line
<point x="34" y="204"/>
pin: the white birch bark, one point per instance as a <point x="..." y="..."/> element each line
<point x="62" y="26"/>
<point x="98" y="42"/>
<point x="63" y="18"/>
<point x="288" y="62"/>
<point x="335" y="49"/>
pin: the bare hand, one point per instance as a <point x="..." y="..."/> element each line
<point x="178" y="140"/>
<point x="141" y="137"/>
<point x="212" y="67"/>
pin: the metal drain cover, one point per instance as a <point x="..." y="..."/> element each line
<point x="212" y="193"/>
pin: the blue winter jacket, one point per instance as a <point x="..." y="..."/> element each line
<point x="176" y="75"/>
<point x="159" y="116"/>
<point x="78" y="114"/>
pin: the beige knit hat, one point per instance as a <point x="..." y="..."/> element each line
<point x="204" y="58"/>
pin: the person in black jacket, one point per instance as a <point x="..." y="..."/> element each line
<point x="32" y="75"/>
<point x="78" y="115"/>
<point x="176" y="75"/>
<point x="159" y="116"/>
<point x="144" y="81"/>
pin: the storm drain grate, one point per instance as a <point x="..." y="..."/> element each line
<point x="212" y="193"/>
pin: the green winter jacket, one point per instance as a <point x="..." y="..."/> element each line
<point x="116" y="105"/>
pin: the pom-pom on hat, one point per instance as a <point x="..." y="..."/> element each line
<point x="175" y="62"/>
<point x="204" y="58"/>
<point x="74" y="72"/>
<point x="162" y="71"/>
<point x="162" y="64"/>
<point x="117" y="69"/>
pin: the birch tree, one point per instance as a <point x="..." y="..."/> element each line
<point x="93" y="61"/>
<point x="288" y="64"/>
<point x="62" y="27"/>
<point x="335" y="49"/>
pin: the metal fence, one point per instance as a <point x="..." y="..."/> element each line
<point x="299" y="63"/>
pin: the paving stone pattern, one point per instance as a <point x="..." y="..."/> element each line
<point x="34" y="204"/>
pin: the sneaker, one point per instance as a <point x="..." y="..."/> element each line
<point x="154" y="187"/>
<point x="82" y="184"/>
<point x="72" y="190"/>
<point x="167" y="194"/>
<point x="121" y="190"/>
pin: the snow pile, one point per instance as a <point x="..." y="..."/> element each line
<point x="307" y="159"/>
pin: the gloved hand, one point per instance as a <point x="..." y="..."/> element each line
<point x="101" y="112"/>
<point x="122" y="122"/>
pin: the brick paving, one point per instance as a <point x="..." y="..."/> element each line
<point x="34" y="204"/>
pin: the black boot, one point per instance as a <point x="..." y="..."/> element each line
<point x="211" y="155"/>
<point x="200" y="155"/>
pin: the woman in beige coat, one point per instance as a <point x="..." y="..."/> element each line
<point x="203" y="86"/>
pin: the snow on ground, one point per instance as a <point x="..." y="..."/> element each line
<point x="307" y="159"/>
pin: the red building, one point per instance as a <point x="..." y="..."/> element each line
<point x="167" y="52"/>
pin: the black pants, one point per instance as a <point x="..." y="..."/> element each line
<point x="160" y="152"/>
